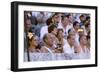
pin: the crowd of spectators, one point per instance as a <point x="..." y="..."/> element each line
<point x="56" y="36"/>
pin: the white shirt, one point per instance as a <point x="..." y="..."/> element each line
<point x="76" y="37"/>
<point x="43" y="31"/>
<point x="65" y="33"/>
<point x="69" y="51"/>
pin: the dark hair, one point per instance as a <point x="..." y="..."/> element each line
<point x="34" y="20"/>
<point x="81" y="16"/>
<point x="27" y="20"/>
<point x="44" y="37"/>
<point x="69" y="36"/>
<point x="55" y="14"/>
<point x="88" y="37"/>
<point x="69" y="31"/>
<point x="64" y="16"/>
<point x="51" y="28"/>
<point x="88" y="17"/>
<point x="68" y="15"/>
<point x="26" y="16"/>
<point x="49" y="21"/>
<point x="75" y="23"/>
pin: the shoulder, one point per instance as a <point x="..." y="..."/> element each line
<point x="44" y="29"/>
<point x="43" y="49"/>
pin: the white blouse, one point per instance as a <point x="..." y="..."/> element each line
<point x="83" y="54"/>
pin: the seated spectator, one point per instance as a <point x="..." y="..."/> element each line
<point x="82" y="19"/>
<point x="69" y="48"/>
<point x="70" y="18"/>
<point x="48" y="48"/>
<point x="76" y="28"/>
<point x="64" y="25"/>
<point x="50" y="52"/>
<point x="52" y="29"/>
<point x="28" y="25"/>
<point x="84" y="51"/>
<point x="27" y="28"/>
<point x="32" y="42"/>
<point x="56" y="18"/>
<point x="32" y="50"/>
<point x="60" y="37"/>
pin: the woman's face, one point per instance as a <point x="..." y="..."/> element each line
<point x="35" y="41"/>
<point x="60" y="34"/>
<point x="84" y="40"/>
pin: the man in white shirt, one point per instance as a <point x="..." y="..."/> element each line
<point x="76" y="27"/>
<point x="68" y="48"/>
<point x="64" y="25"/>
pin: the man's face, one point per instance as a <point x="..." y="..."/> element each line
<point x="60" y="34"/>
<point x="72" y="40"/>
<point x="77" y="26"/>
<point x="28" y="24"/>
<point x="49" y="40"/>
<point x="70" y="19"/>
<point x="55" y="31"/>
<point x="65" y="21"/>
<point x="56" y="19"/>
<point x="82" y="18"/>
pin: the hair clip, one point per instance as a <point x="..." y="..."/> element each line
<point x="30" y="35"/>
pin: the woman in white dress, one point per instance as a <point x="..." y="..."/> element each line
<point x="83" y="51"/>
<point x="32" y="53"/>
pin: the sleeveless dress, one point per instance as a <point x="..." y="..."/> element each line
<point x="83" y="54"/>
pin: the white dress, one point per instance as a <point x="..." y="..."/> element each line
<point x="84" y="54"/>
